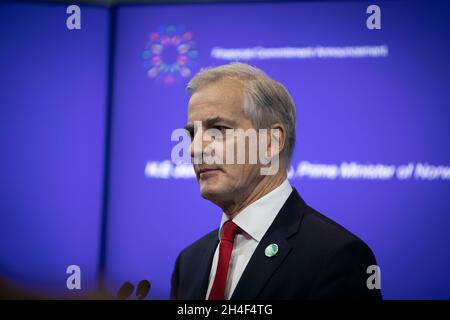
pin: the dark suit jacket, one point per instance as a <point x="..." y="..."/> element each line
<point x="317" y="259"/>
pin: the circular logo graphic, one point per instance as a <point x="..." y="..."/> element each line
<point x="170" y="54"/>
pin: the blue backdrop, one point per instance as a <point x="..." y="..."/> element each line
<point x="52" y="132"/>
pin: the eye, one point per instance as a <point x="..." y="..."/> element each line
<point x="221" y="128"/>
<point x="190" y="133"/>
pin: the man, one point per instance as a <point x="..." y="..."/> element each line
<point x="270" y="244"/>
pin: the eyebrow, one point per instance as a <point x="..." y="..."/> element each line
<point x="210" y="121"/>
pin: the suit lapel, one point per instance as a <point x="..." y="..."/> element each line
<point x="204" y="269"/>
<point x="260" y="268"/>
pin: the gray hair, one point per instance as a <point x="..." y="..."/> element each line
<point x="266" y="100"/>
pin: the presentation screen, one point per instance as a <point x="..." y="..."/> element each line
<point x="52" y="134"/>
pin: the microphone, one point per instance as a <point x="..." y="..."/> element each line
<point x="125" y="291"/>
<point x="143" y="289"/>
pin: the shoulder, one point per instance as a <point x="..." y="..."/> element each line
<point x="315" y="223"/>
<point x="339" y="257"/>
<point x="197" y="248"/>
<point x="316" y="234"/>
<point x="327" y="239"/>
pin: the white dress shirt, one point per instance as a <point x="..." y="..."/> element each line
<point x="253" y="222"/>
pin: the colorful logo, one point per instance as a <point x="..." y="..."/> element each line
<point x="170" y="54"/>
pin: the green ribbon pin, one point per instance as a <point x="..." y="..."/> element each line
<point x="271" y="250"/>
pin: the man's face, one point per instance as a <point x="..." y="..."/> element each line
<point x="220" y="106"/>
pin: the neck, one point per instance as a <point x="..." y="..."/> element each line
<point x="262" y="187"/>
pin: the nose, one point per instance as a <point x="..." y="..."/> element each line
<point x="196" y="147"/>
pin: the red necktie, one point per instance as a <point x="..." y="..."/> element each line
<point x="226" y="247"/>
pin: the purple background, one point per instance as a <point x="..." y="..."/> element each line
<point x="52" y="132"/>
<point x="388" y="110"/>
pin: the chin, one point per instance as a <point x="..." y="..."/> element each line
<point x="209" y="192"/>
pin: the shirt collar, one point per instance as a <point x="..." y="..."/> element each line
<point x="256" y="218"/>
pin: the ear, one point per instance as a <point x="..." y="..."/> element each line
<point x="276" y="137"/>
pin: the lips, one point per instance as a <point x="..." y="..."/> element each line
<point x="206" y="170"/>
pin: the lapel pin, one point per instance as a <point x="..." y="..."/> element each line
<point x="271" y="250"/>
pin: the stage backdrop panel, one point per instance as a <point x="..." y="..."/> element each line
<point x="372" y="138"/>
